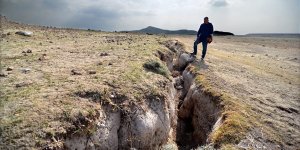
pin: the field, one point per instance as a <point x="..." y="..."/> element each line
<point x="77" y="89"/>
<point x="262" y="72"/>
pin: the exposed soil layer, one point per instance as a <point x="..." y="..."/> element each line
<point x="197" y="112"/>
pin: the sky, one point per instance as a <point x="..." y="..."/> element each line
<point x="236" y="16"/>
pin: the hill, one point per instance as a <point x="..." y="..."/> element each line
<point x="222" y="33"/>
<point x="154" y="30"/>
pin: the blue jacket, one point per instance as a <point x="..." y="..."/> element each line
<point x="204" y="31"/>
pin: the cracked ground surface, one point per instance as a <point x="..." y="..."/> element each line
<point x="262" y="72"/>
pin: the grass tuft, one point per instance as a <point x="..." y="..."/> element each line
<point x="156" y="67"/>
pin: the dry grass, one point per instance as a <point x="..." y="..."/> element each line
<point x="237" y="120"/>
<point x="52" y="103"/>
<point x="238" y="117"/>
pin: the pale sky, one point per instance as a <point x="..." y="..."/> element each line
<point x="236" y="16"/>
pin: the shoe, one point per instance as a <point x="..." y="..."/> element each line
<point x="202" y="59"/>
<point x="192" y="55"/>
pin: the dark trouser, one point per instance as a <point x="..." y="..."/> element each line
<point x="204" y="46"/>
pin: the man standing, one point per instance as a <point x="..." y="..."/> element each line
<point x="204" y="35"/>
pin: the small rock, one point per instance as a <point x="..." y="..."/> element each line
<point x="112" y="96"/>
<point x="50" y="42"/>
<point x="8" y="33"/>
<point x="179" y="83"/>
<point x="3" y="74"/>
<point x="101" y="125"/>
<point x="23" y="52"/>
<point x="9" y="68"/>
<point x="29" y="51"/>
<point x="22" y="84"/>
<point x="266" y="55"/>
<point x="75" y="72"/>
<point x="109" y="63"/>
<point x="104" y="54"/>
<point x="290" y="82"/>
<point x="100" y="63"/>
<point x="178" y="87"/>
<point x="25" y="70"/>
<point x="252" y="55"/>
<point x="41" y="43"/>
<point x="92" y="72"/>
<point x="3" y="35"/>
<point x="41" y="58"/>
<point x="24" y="33"/>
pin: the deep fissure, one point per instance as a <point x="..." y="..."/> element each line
<point x="194" y="126"/>
<point x="186" y="115"/>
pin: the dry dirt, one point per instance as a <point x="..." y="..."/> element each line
<point x="264" y="73"/>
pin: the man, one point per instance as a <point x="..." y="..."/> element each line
<point x="204" y="35"/>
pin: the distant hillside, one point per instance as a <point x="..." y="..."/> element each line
<point x="279" y="35"/>
<point x="154" y="30"/>
<point x="222" y="33"/>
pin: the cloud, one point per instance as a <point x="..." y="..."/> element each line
<point x="104" y="14"/>
<point x="95" y="14"/>
<point x="42" y="12"/>
<point x="94" y="17"/>
<point x="219" y="3"/>
<point x="168" y="14"/>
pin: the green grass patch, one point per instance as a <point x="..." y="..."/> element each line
<point x="156" y="67"/>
